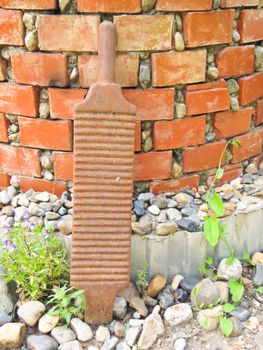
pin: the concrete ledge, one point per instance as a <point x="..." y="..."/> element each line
<point x="184" y="252"/>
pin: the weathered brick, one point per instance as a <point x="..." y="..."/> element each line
<point x="40" y="68"/>
<point x="207" y="98"/>
<point x="229" y="63"/>
<point x="47" y="134"/>
<point x="140" y="33"/>
<point x="126" y="69"/>
<point x="11" y="27"/>
<point x="231" y="172"/>
<point x="227" y="124"/>
<point x="4" y="124"/>
<point x="183" y="5"/>
<point x="4" y="180"/>
<point x="3" y="69"/>
<point x="29" y="4"/>
<point x="67" y="33"/>
<point x="179" y="133"/>
<point x="251" y="146"/>
<point x="173" y="68"/>
<point x="203" y="157"/>
<point x="62" y="102"/>
<point x="175" y="184"/>
<point x="238" y="3"/>
<point x="152" y="165"/>
<point x="63" y="165"/>
<point x="19" y="99"/>
<point x="138" y="136"/>
<point x="250" y="25"/>
<point x="18" y="160"/>
<point x="40" y="185"/>
<point x="114" y="6"/>
<point x="251" y="88"/>
<point x="259" y="112"/>
<point x="208" y="28"/>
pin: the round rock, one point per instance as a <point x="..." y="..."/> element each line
<point x="30" y="312"/>
<point x="12" y="335"/>
<point x="205" y="293"/>
<point x="47" y="323"/>
<point x="120" y="308"/>
<point x="226" y="271"/>
<point x="62" y="334"/>
<point x="178" y="314"/>
<point x="81" y="329"/>
<point x="41" y="342"/>
<point x="156" y="285"/>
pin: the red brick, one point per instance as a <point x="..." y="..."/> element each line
<point x="183" y="5"/>
<point x="67" y="32"/>
<point x="4" y="124"/>
<point x="238" y="3"/>
<point x="231" y="172"/>
<point x="11" y="27"/>
<point x="208" y="28"/>
<point x="251" y="146"/>
<point x="40" y="68"/>
<point x="126" y="69"/>
<point x="179" y="133"/>
<point x="46" y="134"/>
<point x="3" y="69"/>
<point x="29" y="4"/>
<point x="19" y="99"/>
<point x="251" y="88"/>
<point x="63" y="165"/>
<point x="173" y="68"/>
<point x="152" y="104"/>
<point x="207" y="98"/>
<point x="250" y="25"/>
<point x="114" y="6"/>
<point x="228" y="124"/>
<point x="4" y="180"/>
<point x="56" y="187"/>
<point x="175" y="185"/>
<point x="138" y="136"/>
<point x="152" y="165"/>
<point x="23" y="161"/>
<point x="62" y="102"/>
<point x="235" y="61"/>
<point x="203" y="157"/>
<point x="140" y="33"/>
<point x="259" y="112"/>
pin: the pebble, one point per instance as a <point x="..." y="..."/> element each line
<point x="65" y="225"/>
<point x="179" y="42"/>
<point x="12" y="335"/>
<point x="180" y="109"/>
<point x="62" y="334"/>
<point x="30" y="312"/>
<point x="153" y="328"/>
<point x="181" y="296"/>
<point x="110" y="344"/>
<point x="166" y="299"/>
<point x="257" y="258"/>
<point x="258" y="276"/>
<point x="242" y="205"/>
<point x="209" y="318"/>
<point x="141" y="228"/>
<point x="188" y="283"/>
<point x="132" y="335"/>
<point x="177" y="314"/>
<point x="180" y="344"/>
<point x="156" y="285"/>
<point x="64" y="5"/>
<point x="72" y="345"/>
<point x="81" y="329"/>
<point x="226" y="271"/>
<point x="146" y="197"/>
<point x="31" y="40"/>
<point x="174" y="214"/>
<point x="6" y="300"/>
<point x="47" y="323"/>
<point x="120" y="307"/>
<point x="129" y="293"/>
<point x="238" y="327"/>
<point x="122" y="346"/>
<point x="42" y="196"/>
<point x="139" y="305"/>
<point x="187" y="224"/>
<point x="153" y="209"/>
<point x="150" y="301"/>
<point x="41" y="342"/>
<point x="119" y="329"/>
<point x="102" y="334"/>
<point x="4" y="318"/>
<point x="176" y="282"/>
<point x="138" y="207"/>
<point x="241" y="313"/>
<point x="166" y="228"/>
<point x="205" y="293"/>
<point x="223" y="290"/>
<point x="144" y="74"/>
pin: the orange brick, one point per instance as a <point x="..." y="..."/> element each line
<point x="19" y="99"/>
<point x="207" y="98"/>
<point x="251" y="88"/>
<point x="203" y="158"/>
<point x="236" y="61"/>
<point x="63" y="165"/>
<point x="138" y="136"/>
<point x="4" y="180"/>
<point x="152" y="104"/>
<point x="179" y="133"/>
<point x="11" y="27"/>
<point x="23" y="161"/>
<point x="251" y="146"/>
<point x="29" y="4"/>
<point x="140" y="33"/>
<point x="40" y="68"/>
<point x="259" y="112"/>
<point x="47" y="134"/>
<point x="56" y="187"/>
<point x="175" y="185"/>
<point x="67" y="32"/>
<point x="183" y="5"/>
<point x="126" y="69"/>
<point x="152" y="165"/>
<point x="172" y="68"/>
<point x="208" y="28"/>
<point x="114" y="6"/>
<point x="3" y="69"/>
<point x="231" y="172"/>
<point x="227" y="124"/>
<point x="63" y="101"/>
<point x="4" y="124"/>
<point x="250" y="25"/>
<point x="238" y="3"/>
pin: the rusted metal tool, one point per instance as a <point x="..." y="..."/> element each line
<point x="104" y="131"/>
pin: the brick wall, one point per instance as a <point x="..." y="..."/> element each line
<point x="194" y="68"/>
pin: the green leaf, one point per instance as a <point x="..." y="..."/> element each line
<point x="230" y="260"/>
<point x="236" y="289"/>
<point x="204" y="322"/>
<point x="236" y="143"/>
<point x="211" y="230"/>
<point x="203" y="269"/>
<point x="246" y="257"/>
<point x="229" y="308"/>
<point x="260" y="290"/>
<point x="222" y="229"/>
<point x="209" y="260"/>
<point x="216" y="204"/>
<point x="219" y="173"/>
<point x="226" y="326"/>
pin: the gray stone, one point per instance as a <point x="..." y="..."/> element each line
<point x="171" y="203"/>
<point x="226" y="271"/>
<point x="146" y="197"/>
<point x="174" y="214"/>
<point x="148" y="5"/>
<point x="205" y="293"/>
<point x="37" y="211"/>
<point x="129" y="293"/>
<point x="210" y="136"/>
<point x="123" y="346"/>
<point x="153" y="328"/>
<point x="62" y="211"/>
<point x="132" y="335"/>
<point x="212" y="72"/>
<point x="102" y="334"/>
<point x="153" y="209"/>
<point x="119" y="329"/>
<point x="5" y="198"/>
<point x="110" y="344"/>
<point x="180" y="109"/>
<point x="179" y="42"/>
<point x="160" y="201"/>
<point x="187" y="224"/>
<point x="81" y="329"/>
<point x="8" y="210"/>
<point x="180" y="344"/>
<point x="188" y="283"/>
<point x="51" y="224"/>
<point x="234" y="103"/>
<point x="181" y="295"/>
<point x="29" y="20"/>
<point x="44" y="110"/>
<point x="232" y="86"/>
<point x="166" y="299"/>
<point x="188" y="211"/>
<point x="65" y="225"/>
<point x="241" y="313"/>
<point x="139" y="305"/>
<point x="144" y="75"/>
<point x="4" y="318"/>
<point x="120" y="308"/>
<point x="31" y="40"/>
<point x="6" y="300"/>
<point x="178" y="314"/>
<point x="12" y="335"/>
<point x="150" y="301"/>
<point x="46" y="206"/>
<point x="238" y="327"/>
<point x="62" y="334"/>
<point x="41" y="342"/>
<point x="72" y="345"/>
<point x="223" y="290"/>
<point x="141" y="228"/>
<point x="30" y="312"/>
<point x="209" y="318"/>
<point x="166" y="228"/>
<point x="52" y="216"/>
<point x="138" y="207"/>
<point x="258" y="276"/>
<point x="235" y="36"/>
<point x="47" y="323"/>
<point x="42" y="196"/>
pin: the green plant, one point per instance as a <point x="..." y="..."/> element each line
<point x="260" y="290"/>
<point x="142" y="280"/>
<point x="236" y="289"/>
<point x="226" y="325"/>
<point x="35" y="259"/>
<point x="63" y="303"/>
<point x="246" y="257"/>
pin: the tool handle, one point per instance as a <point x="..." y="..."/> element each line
<point x="107" y="37"/>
